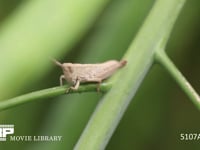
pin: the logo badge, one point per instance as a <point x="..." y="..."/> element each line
<point x="5" y="130"/>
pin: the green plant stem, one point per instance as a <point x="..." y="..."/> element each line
<point x="140" y="56"/>
<point x="50" y="93"/>
<point x="165" y="61"/>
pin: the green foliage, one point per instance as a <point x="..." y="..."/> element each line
<point x="37" y="30"/>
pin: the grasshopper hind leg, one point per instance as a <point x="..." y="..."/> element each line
<point x="74" y="87"/>
<point x="77" y="84"/>
<point x="98" y="81"/>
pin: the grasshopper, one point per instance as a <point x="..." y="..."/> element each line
<point x="75" y="73"/>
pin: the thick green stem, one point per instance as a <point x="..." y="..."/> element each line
<point x="140" y="55"/>
<point x="165" y="61"/>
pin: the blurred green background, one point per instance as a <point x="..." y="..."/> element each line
<point x="89" y="32"/>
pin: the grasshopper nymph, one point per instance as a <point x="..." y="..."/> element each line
<point x="83" y="73"/>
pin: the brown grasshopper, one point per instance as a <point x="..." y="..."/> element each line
<point x="83" y="73"/>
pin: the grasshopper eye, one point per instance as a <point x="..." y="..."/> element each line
<point x="69" y="68"/>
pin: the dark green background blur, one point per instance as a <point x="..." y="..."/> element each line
<point x="158" y="114"/>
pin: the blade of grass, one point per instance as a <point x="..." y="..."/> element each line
<point x="140" y="55"/>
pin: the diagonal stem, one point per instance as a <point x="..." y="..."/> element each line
<point x="50" y="93"/>
<point x="140" y="55"/>
<point x="165" y="61"/>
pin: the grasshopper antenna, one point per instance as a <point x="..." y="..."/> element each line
<point x="56" y="62"/>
